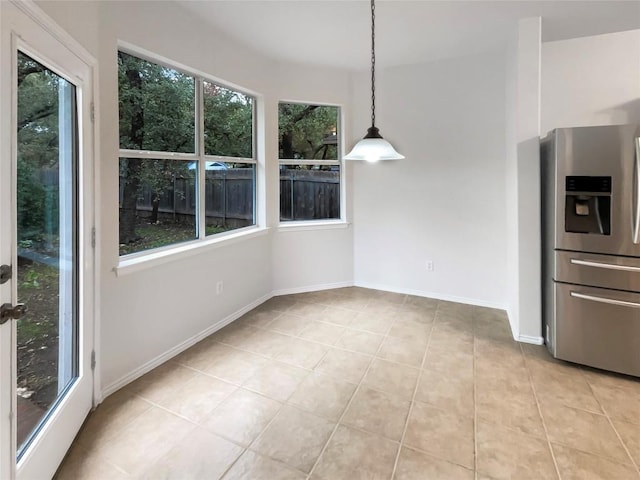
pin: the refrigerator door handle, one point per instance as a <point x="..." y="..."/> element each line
<point x="636" y="194"/>
<point x="609" y="301"/>
<point x="608" y="266"/>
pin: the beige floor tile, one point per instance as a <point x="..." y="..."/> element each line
<point x="303" y="309"/>
<point x="374" y="322"/>
<point x="252" y="466"/>
<point x="234" y="334"/>
<point x="259" y="317"/>
<point x="507" y="454"/>
<point x="114" y="414"/>
<point x="454" y="323"/>
<point x="441" y="433"/>
<point x="559" y="387"/>
<point x="343" y="364"/>
<point x="377" y="412"/>
<point x="235" y="366"/>
<point x="280" y="303"/>
<point x="150" y="436"/>
<point x="416" y="314"/>
<point x="612" y="380"/>
<point x="302" y="353"/>
<point x="162" y="382"/>
<point x="393" y="378"/>
<point x="449" y="362"/>
<point x="200" y="455"/>
<point x="321" y="332"/>
<point x="408" y="329"/>
<point x="198" y="397"/>
<point x="630" y="434"/>
<point x="323" y="395"/>
<point x="582" y="430"/>
<point x="413" y="465"/>
<point x="407" y="351"/>
<point x="357" y="341"/>
<point x="461" y="310"/>
<point x="575" y="465"/>
<point x="448" y="393"/>
<point x="289" y="324"/>
<point x="266" y="343"/>
<point x="512" y="408"/>
<point x="619" y="403"/>
<point x="295" y="438"/>
<point x="444" y="338"/>
<point x="422" y="302"/>
<point x="354" y="455"/>
<point x="338" y="316"/>
<point x="355" y="304"/>
<point x="201" y="355"/>
<point x="276" y="380"/>
<point x="80" y="463"/>
<point x="242" y="416"/>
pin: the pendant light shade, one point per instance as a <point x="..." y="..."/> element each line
<point x="373" y="147"/>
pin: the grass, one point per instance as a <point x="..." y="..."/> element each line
<point x="163" y="234"/>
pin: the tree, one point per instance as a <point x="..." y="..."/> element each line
<point x="306" y="131"/>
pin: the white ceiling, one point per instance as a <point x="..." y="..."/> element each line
<point x="337" y="32"/>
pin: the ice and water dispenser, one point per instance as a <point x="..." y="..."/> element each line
<point x="588" y="205"/>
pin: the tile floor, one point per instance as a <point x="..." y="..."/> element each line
<point x="362" y="384"/>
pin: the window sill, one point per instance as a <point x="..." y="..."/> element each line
<point x="141" y="261"/>
<point x="299" y="226"/>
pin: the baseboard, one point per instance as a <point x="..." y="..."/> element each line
<point x="311" y="288"/>
<point x="169" y="354"/>
<point x="530" y="339"/>
<point x="438" y="296"/>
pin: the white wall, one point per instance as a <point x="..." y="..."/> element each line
<point x="445" y="201"/>
<point x="591" y="81"/>
<point x="147" y="313"/>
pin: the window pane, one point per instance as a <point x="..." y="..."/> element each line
<point x="156" y="106"/>
<point x="228" y="122"/>
<point x="157" y="203"/>
<point x="308" y="132"/>
<point x="309" y="192"/>
<point x="230" y="196"/>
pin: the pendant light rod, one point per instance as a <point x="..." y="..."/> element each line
<point x="373" y="63"/>
<point x="373" y="147"/>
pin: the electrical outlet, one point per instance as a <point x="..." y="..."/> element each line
<point x="219" y="287"/>
<point x="429" y="265"/>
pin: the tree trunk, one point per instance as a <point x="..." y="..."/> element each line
<point x="128" y="213"/>
<point x="155" y="205"/>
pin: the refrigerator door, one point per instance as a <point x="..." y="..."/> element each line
<point x="607" y="271"/>
<point x="596" y="189"/>
<point x="598" y="327"/>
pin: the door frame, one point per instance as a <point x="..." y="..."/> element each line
<point x="31" y="30"/>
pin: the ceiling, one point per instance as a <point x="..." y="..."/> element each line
<point x="336" y="33"/>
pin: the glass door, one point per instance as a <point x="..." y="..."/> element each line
<point x="45" y="246"/>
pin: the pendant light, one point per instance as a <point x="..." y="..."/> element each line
<point x="373" y="147"/>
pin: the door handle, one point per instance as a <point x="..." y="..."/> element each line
<point x="15" y="312"/>
<point x="610" y="301"/>
<point x="5" y="273"/>
<point x="636" y="194"/>
<point x="609" y="266"/>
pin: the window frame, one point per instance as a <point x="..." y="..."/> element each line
<point x="131" y="261"/>
<point x="341" y="221"/>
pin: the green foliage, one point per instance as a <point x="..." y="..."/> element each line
<point x="37" y="137"/>
<point x="308" y="131"/>
<point x="228" y="122"/>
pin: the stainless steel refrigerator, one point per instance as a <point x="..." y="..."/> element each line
<point x="591" y="246"/>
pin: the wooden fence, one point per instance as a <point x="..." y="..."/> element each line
<point x="314" y="194"/>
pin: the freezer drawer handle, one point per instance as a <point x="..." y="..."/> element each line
<point x="609" y="266"/>
<point x="610" y="301"/>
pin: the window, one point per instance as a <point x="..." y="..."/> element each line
<point x="309" y="146"/>
<point x="187" y="164"/>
